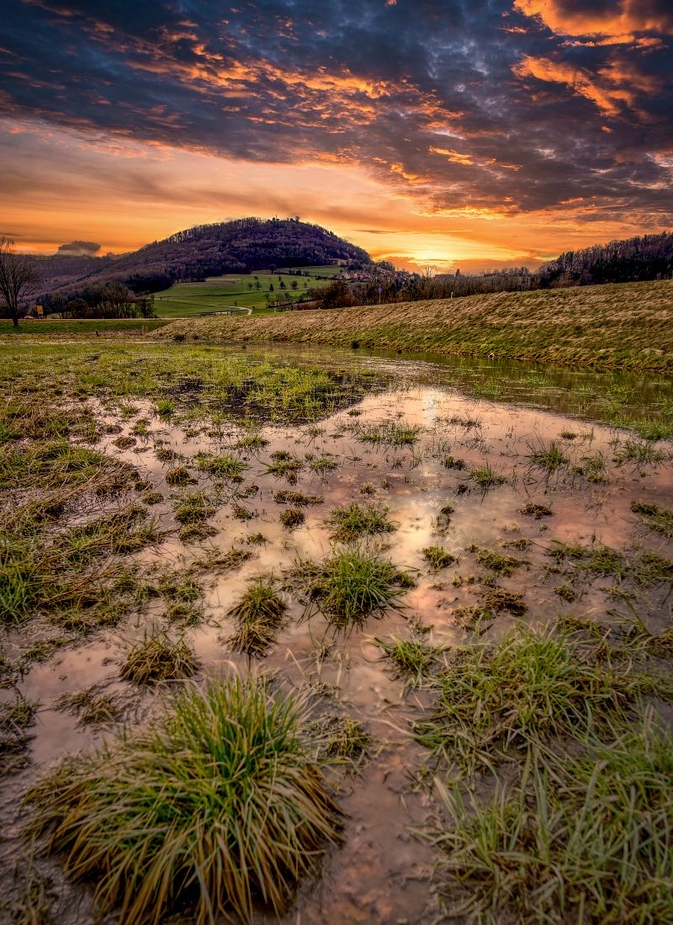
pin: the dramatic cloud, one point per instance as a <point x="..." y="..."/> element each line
<point x="489" y="109"/>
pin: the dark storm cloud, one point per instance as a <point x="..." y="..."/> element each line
<point x="514" y="105"/>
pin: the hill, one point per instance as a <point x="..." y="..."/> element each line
<point x="240" y="246"/>
<point x="625" y="326"/>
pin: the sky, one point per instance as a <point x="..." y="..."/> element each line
<point x="434" y="133"/>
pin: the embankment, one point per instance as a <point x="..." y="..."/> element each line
<point x="628" y="326"/>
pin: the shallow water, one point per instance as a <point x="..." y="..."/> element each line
<point x="381" y="874"/>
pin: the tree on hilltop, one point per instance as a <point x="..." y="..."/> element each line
<point x="18" y="275"/>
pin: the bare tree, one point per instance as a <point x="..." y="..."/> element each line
<point x="18" y="275"/>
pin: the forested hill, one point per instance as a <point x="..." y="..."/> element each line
<point x="243" y="245"/>
<point x="643" y="258"/>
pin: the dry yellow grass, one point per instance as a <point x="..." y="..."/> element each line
<point x="614" y="326"/>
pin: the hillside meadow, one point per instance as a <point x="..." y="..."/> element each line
<point x="622" y="326"/>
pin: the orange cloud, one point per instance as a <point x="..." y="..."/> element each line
<point x="612" y="88"/>
<point x="454" y="156"/>
<point x="623" y="19"/>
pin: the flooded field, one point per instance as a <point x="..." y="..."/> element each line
<point x="359" y="553"/>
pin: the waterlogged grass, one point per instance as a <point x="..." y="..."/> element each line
<point x="657" y="518"/>
<point x="227" y="467"/>
<point x="549" y="457"/>
<point x="388" y="434"/>
<point x="495" y="701"/>
<point x="67" y="571"/>
<point x="438" y="557"/>
<point x="15" y="719"/>
<point x="351" y="523"/>
<point x="413" y="659"/>
<point x="158" y="658"/>
<point x="258" y="615"/>
<point x="582" y="840"/>
<point x="486" y="478"/>
<point x="285" y="465"/>
<point x="179" y="380"/>
<point x="496" y="561"/>
<point x="217" y="806"/>
<point x="352" y="585"/>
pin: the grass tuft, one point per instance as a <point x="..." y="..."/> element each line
<point x="584" y="841"/>
<point x="354" y="521"/>
<point x="258" y="614"/>
<point x="437" y="557"/>
<point x="531" y="687"/>
<point x="157" y="658"/>
<point x="352" y="585"/>
<point x="218" y="806"/>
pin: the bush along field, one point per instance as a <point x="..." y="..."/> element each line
<point x="310" y="638"/>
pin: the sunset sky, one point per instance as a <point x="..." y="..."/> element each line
<point x="433" y="133"/>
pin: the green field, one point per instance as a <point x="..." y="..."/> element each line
<point x="238" y="290"/>
<point x="87" y="326"/>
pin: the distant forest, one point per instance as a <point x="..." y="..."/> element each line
<point x="642" y="258"/>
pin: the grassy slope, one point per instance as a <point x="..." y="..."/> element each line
<point x="623" y="325"/>
<point x="220" y="293"/>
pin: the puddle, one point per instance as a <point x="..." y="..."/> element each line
<point x="381" y="875"/>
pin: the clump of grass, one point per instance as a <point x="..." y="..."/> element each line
<point x="530" y="688"/>
<point x="413" y="659"/>
<point x="165" y="407"/>
<point x="566" y="593"/>
<point x="451" y="462"/>
<point x="296" y="498"/>
<point x="598" y="559"/>
<point x="352" y="585"/>
<point x="258" y="614"/>
<point x="657" y="518"/>
<point x="472" y="618"/>
<point x="124" y="442"/>
<point x="549" y="457"/>
<point x="179" y="476"/>
<point x="486" y="478"/>
<point x="256" y="539"/>
<point x="388" y="433"/>
<point x="640" y="453"/>
<point x="164" y="454"/>
<point x="240" y="512"/>
<point x="227" y="467"/>
<point x="588" y="840"/>
<point x="437" y="557"/>
<point x="443" y="520"/>
<point x="292" y="517"/>
<point x="151" y="497"/>
<point x="214" y="560"/>
<point x="352" y="522"/>
<point x="343" y="740"/>
<point x="92" y="706"/>
<point x="193" y="507"/>
<point x="286" y="466"/>
<point x="196" y="532"/>
<point x="593" y="468"/>
<point x="538" y="511"/>
<point x="217" y="805"/>
<point x="251" y="442"/>
<point x="495" y="561"/>
<point x="15" y="718"/>
<point x="157" y="658"/>
<point x="321" y="465"/>
<point x="498" y="600"/>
